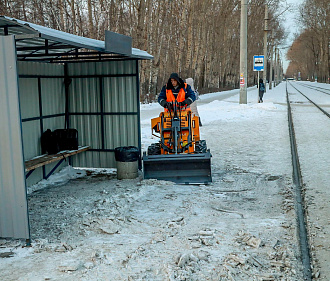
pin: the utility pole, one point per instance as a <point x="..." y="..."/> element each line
<point x="271" y="62"/>
<point x="278" y="66"/>
<point x="275" y="67"/>
<point x="243" y="54"/>
<point x="265" y="47"/>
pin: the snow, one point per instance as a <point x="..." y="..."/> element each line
<point x="61" y="177"/>
<point x="87" y="225"/>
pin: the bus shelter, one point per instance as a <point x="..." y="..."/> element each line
<point x="50" y="79"/>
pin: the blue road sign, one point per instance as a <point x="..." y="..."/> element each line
<point x="258" y="63"/>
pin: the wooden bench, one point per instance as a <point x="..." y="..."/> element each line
<point x="42" y="160"/>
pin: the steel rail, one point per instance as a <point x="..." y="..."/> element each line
<point x="315" y="88"/>
<point x="300" y="209"/>
<point x="320" y="108"/>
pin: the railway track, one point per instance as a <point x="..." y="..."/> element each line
<point x="300" y="209"/>
<point x="315" y="104"/>
<point x="320" y="89"/>
<point x="306" y="228"/>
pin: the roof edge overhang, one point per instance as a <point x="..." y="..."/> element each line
<point x="52" y="45"/>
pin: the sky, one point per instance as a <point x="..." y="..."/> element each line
<point x="291" y="26"/>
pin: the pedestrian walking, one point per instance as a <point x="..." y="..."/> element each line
<point x="261" y="90"/>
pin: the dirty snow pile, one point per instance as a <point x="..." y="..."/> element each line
<point x="240" y="227"/>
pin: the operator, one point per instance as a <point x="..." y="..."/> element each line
<point x="176" y="90"/>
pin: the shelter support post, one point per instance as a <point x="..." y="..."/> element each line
<point x="14" y="218"/>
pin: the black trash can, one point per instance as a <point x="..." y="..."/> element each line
<point x="127" y="162"/>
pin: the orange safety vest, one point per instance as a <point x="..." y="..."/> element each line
<point x="181" y="95"/>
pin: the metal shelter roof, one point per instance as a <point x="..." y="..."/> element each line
<point x="38" y="43"/>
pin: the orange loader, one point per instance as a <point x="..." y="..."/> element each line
<point x="180" y="155"/>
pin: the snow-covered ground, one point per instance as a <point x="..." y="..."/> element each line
<point x="87" y="225"/>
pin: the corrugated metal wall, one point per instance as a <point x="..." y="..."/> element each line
<point x="103" y="105"/>
<point x="42" y="99"/>
<point x="14" y="220"/>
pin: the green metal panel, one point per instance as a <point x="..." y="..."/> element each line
<point x="42" y="91"/>
<point x="103" y="106"/>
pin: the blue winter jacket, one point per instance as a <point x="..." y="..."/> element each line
<point x="189" y="92"/>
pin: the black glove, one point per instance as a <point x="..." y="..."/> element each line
<point x="163" y="103"/>
<point x="186" y="102"/>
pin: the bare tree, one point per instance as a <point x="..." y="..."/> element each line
<point x="198" y="39"/>
<point x="315" y="16"/>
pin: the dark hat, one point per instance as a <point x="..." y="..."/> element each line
<point x="175" y="76"/>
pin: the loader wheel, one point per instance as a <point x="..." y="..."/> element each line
<point x="200" y="146"/>
<point x="154" y="149"/>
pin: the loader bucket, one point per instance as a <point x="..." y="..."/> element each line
<point x="179" y="168"/>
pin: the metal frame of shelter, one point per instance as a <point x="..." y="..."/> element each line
<point x="52" y="79"/>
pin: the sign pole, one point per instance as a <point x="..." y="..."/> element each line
<point x="258" y="65"/>
<point x="258" y="87"/>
